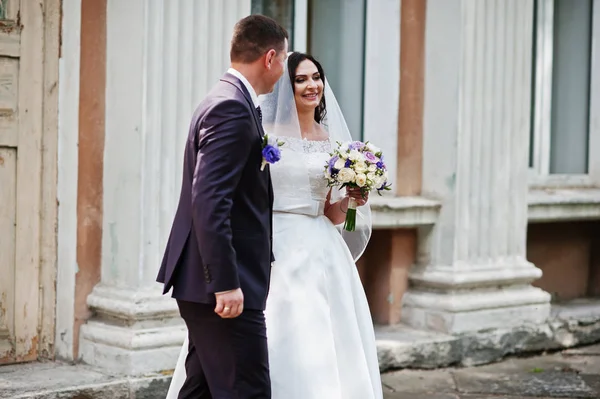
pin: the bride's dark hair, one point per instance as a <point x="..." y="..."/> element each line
<point x="294" y="59"/>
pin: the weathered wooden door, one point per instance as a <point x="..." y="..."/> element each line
<point x="21" y="125"/>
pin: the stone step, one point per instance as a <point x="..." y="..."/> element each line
<point x="399" y="347"/>
<point x="571" y="324"/>
<point x="57" y="380"/>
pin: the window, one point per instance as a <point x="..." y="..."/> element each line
<point x="564" y="69"/>
<point x="336" y="37"/>
<point x="281" y="11"/>
<point x="333" y="31"/>
<point x="3" y="9"/>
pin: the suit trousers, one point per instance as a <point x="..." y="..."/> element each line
<point x="227" y="358"/>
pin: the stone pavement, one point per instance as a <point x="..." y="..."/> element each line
<point x="573" y="373"/>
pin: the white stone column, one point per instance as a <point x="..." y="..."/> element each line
<point x="472" y="271"/>
<point x="162" y="57"/>
<point x="68" y="140"/>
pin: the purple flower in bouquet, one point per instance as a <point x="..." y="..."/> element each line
<point x="356" y="145"/>
<point x="370" y="157"/>
<point x="384" y="186"/>
<point x="332" y="161"/>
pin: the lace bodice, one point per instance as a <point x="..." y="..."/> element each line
<point x="300" y="157"/>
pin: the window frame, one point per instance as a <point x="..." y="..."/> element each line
<point x="542" y="112"/>
<point x="300" y="26"/>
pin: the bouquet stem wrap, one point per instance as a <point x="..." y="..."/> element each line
<point x="350" y="223"/>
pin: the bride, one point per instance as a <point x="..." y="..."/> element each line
<point x="319" y="329"/>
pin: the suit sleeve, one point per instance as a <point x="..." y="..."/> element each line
<point x="223" y="150"/>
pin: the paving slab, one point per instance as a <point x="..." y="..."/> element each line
<point x="527" y="364"/>
<point x="506" y="397"/>
<point x="17" y="380"/>
<point x="410" y="395"/>
<point x="55" y="380"/>
<point x="555" y="375"/>
<point x="546" y="383"/>
<point x="584" y="364"/>
<point x="420" y="381"/>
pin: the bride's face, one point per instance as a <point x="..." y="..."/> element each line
<point x="308" y="86"/>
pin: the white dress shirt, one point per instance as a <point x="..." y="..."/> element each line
<point x="247" y="84"/>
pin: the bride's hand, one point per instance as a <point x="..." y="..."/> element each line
<point x="357" y="195"/>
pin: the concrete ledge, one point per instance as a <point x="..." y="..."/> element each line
<point x="545" y="205"/>
<point x="558" y="205"/>
<point x="403" y="212"/>
<point x="571" y="324"/>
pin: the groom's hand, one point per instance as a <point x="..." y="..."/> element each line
<point x="230" y="304"/>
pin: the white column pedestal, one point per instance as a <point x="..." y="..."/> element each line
<point x="472" y="272"/>
<point x="452" y="301"/>
<point x="162" y="58"/>
<point x="132" y="332"/>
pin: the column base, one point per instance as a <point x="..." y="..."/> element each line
<point x="454" y="301"/>
<point x="476" y="310"/>
<point x="131" y="332"/>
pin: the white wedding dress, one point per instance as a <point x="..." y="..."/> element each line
<point x="319" y="328"/>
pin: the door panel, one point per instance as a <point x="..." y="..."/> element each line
<point x="21" y="126"/>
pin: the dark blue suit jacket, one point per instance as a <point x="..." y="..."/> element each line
<point x="221" y="238"/>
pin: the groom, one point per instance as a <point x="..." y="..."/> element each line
<point x="219" y="253"/>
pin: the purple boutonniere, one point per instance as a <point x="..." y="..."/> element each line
<point x="270" y="151"/>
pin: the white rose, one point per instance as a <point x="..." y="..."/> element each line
<point x="373" y="148"/>
<point x="345" y="146"/>
<point x="339" y="164"/>
<point x="381" y="181"/>
<point x="360" y="167"/>
<point x="356" y="156"/>
<point x="346" y="175"/>
<point x="372" y="168"/>
<point x="371" y="176"/>
<point x="361" y="179"/>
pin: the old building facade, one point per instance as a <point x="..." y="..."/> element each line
<point x="487" y="111"/>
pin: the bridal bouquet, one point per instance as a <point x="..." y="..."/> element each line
<point x="357" y="165"/>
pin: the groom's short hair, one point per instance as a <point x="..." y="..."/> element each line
<point x="255" y="35"/>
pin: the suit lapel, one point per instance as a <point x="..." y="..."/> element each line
<point x="229" y="78"/>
